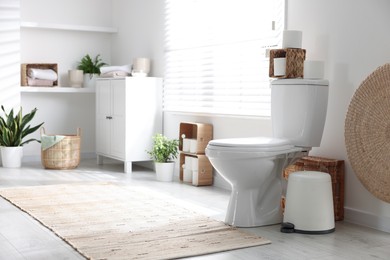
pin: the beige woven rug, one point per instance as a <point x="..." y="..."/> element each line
<point x="107" y="221"/>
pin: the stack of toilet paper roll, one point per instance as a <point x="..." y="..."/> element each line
<point x="190" y="145"/>
<point x="190" y="170"/>
<point x="312" y="69"/>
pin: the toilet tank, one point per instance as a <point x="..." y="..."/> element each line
<point x="298" y="110"/>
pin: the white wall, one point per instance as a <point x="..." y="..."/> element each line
<point x="63" y="113"/>
<point x="352" y="37"/>
<point x="140" y="33"/>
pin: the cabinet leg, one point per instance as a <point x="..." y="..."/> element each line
<point x="128" y="167"/>
<point x="99" y="159"/>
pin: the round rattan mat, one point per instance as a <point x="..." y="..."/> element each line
<point x="367" y="132"/>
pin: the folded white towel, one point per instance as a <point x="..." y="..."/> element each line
<point x="39" y="82"/>
<point x="48" y="74"/>
<point x="105" y="69"/>
<point x="114" y="74"/>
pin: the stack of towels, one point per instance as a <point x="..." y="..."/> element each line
<point x="115" y="71"/>
<point x="41" y="77"/>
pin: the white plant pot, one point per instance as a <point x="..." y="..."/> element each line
<point x="11" y="156"/>
<point x="164" y="171"/>
<point x="90" y="80"/>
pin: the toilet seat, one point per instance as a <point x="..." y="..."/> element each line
<point x="261" y="146"/>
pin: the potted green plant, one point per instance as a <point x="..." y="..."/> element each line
<point x="14" y="127"/>
<point x="91" y="69"/>
<point x="163" y="153"/>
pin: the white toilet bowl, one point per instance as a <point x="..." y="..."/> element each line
<point x="253" y="167"/>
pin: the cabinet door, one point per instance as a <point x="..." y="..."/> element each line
<point x="103" y="110"/>
<point x="118" y="121"/>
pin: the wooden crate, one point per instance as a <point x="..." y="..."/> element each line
<point x="25" y="66"/>
<point x="205" y="170"/>
<point x="294" y="62"/>
<point x="332" y="166"/>
<point x="203" y="133"/>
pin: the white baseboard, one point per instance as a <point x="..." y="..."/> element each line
<point x="367" y="219"/>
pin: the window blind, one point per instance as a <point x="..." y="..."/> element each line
<point x="9" y="53"/>
<point x="215" y="56"/>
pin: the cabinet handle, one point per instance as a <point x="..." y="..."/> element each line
<point x="108" y="117"/>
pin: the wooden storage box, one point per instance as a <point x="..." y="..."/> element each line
<point x="203" y="133"/>
<point x="205" y="170"/>
<point x="26" y="66"/>
<point x="294" y="62"/>
<point x="336" y="170"/>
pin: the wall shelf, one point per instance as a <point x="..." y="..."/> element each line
<point x="56" y="90"/>
<point x="68" y="27"/>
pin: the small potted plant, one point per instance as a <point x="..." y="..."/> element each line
<point x="163" y="153"/>
<point x="13" y="129"/>
<point x="91" y="69"/>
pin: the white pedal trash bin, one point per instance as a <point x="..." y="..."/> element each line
<point x="309" y="203"/>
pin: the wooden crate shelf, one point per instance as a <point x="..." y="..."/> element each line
<point x="204" y="173"/>
<point x="202" y="134"/>
<point x="25" y="66"/>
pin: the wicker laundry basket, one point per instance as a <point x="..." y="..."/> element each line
<point x="63" y="155"/>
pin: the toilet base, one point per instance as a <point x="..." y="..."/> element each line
<point x="247" y="210"/>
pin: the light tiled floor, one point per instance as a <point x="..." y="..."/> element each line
<point x="21" y="237"/>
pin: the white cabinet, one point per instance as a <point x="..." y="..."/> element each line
<point x="128" y="114"/>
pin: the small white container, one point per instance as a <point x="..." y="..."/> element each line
<point x="309" y="202"/>
<point x="193" y="145"/>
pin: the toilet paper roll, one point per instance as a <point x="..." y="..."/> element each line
<point x="187" y="175"/>
<point x="193" y="146"/>
<point x="194" y="164"/>
<point x="279" y="66"/>
<point x="195" y="178"/>
<point x="188" y="162"/>
<point x="313" y="69"/>
<point x="186" y="145"/>
<point x="292" y="39"/>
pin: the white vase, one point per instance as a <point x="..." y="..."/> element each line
<point x="164" y="171"/>
<point x="12" y="156"/>
<point x="90" y="80"/>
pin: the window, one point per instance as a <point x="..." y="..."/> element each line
<point x="216" y="55"/>
<point x="9" y="53"/>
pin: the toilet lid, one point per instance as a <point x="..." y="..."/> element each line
<point x="256" y="143"/>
